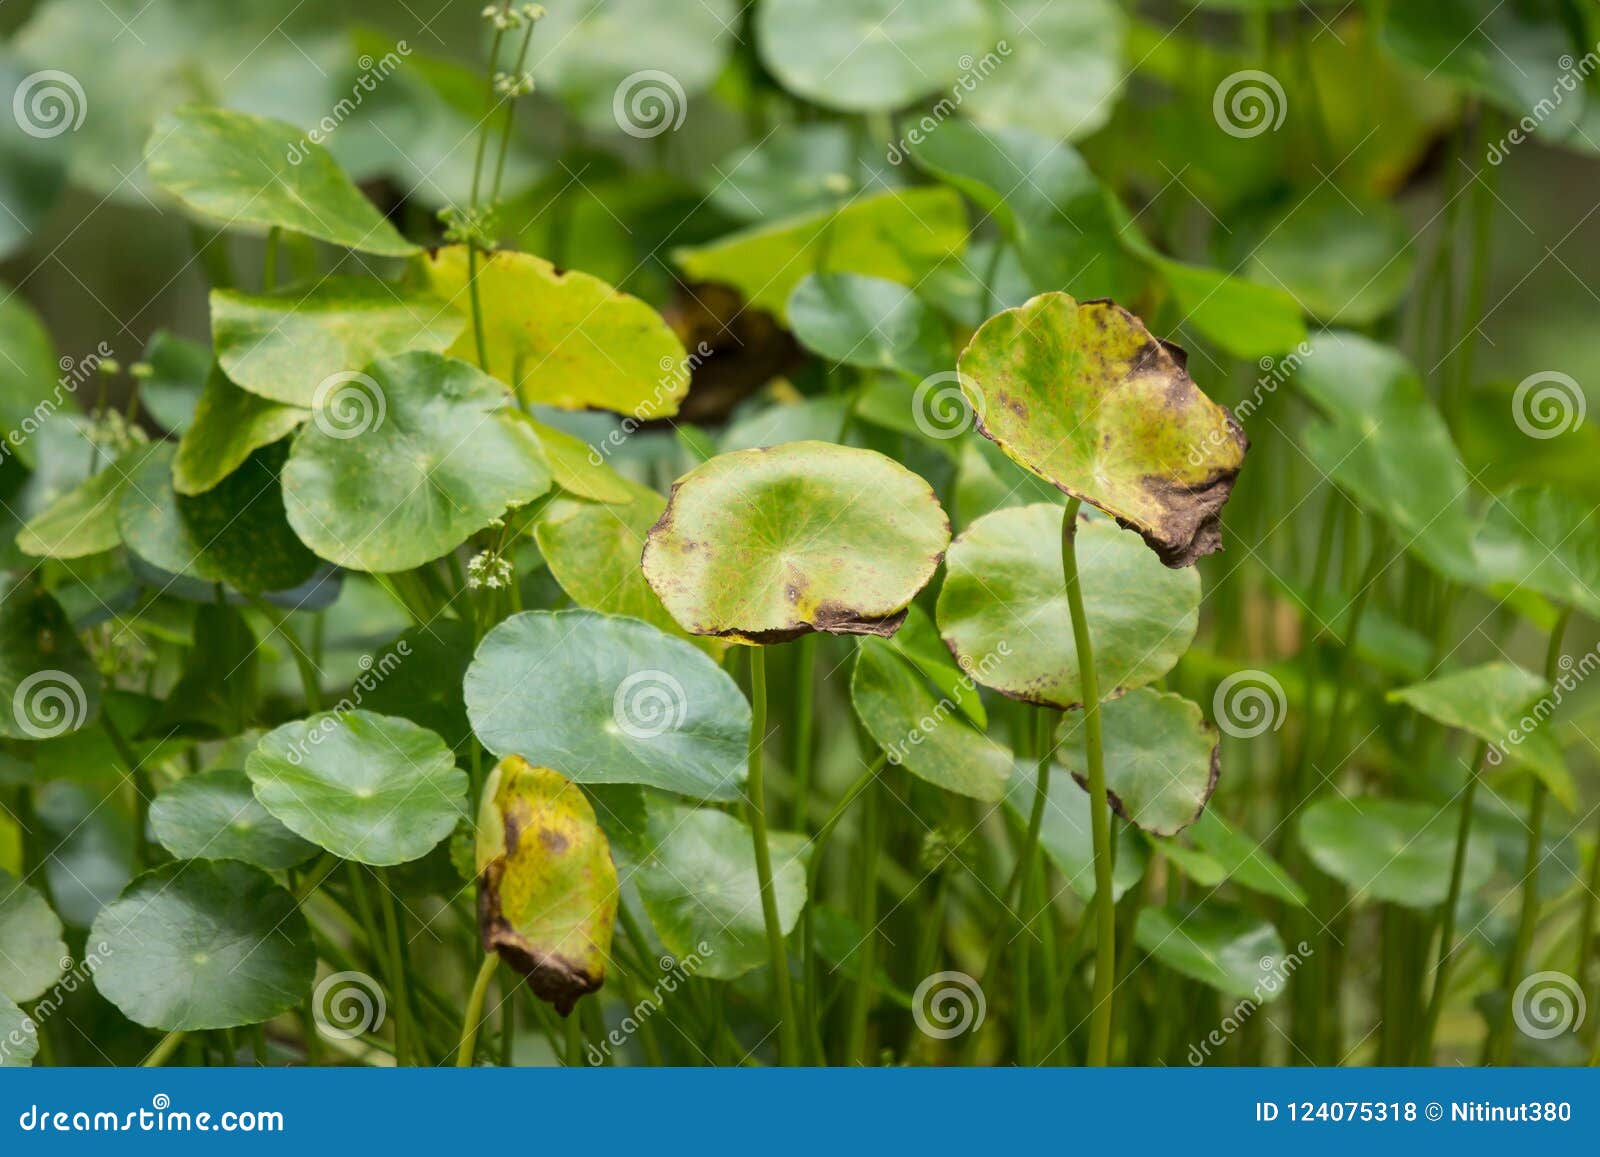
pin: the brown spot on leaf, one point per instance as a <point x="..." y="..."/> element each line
<point x="554" y="842"/>
<point x="554" y="978"/>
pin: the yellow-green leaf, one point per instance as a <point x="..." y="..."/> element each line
<point x="547" y="887"/>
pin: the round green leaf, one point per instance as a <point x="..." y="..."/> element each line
<point x="1388" y="447"/>
<point x="766" y="545"/>
<point x="229" y="424"/>
<point x="407" y="460"/>
<point x="1047" y="202"/>
<point x="868" y="322"/>
<point x="1162" y="758"/>
<point x="28" y="372"/>
<point x="899" y="234"/>
<point x="1057" y="68"/>
<point x="216" y="816"/>
<point x="178" y="373"/>
<point x="1392" y="850"/>
<point x="1517" y="56"/>
<point x="804" y="168"/>
<point x="865" y="55"/>
<point x="83" y="521"/>
<point x="32" y="953"/>
<point x="593" y="551"/>
<point x="49" y="685"/>
<point x="576" y="469"/>
<point x="699" y="886"/>
<point x="19" y="1036"/>
<point x="921" y="731"/>
<point x="632" y="64"/>
<point x="1544" y="540"/>
<point x="563" y="338"/>
<point x="234" y="533"/>
<point x="1227" y="948"/>
<point x="547" y="885"/>
<point x="198" y="945"/>
<point x="1086" y="398"/>
<point x="1354" y="282"/>
<point x="606" y="699"/>
<point x="369" y="788"/>
<point x="1003" y="607"/>
<point x="1496" y="702"/>
<point x="284" y="345"/>
<point x="236" y="168"/>
<point x="1241" y="860"/>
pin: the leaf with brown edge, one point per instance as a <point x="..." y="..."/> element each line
<point x="547" y="887"/>
<point x="1086" y="398"/>
<point x="763" y="546"/>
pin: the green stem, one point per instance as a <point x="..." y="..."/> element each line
<point x="574" y="1027"/>
<point x="1447" y="925"/>
<point x="477" y="311"/>
<point x="866" y="951"/>
<point x="804" y="723"/>
<point x="808" y="939"/>
<point x="788" y="1040"/>
<point x="136" y="779"/>
<point x="474" y="1014"/>
<point x="1586" y="934"/>
<point x="511" y="109"/>
<point x="402" y="1001"/>
<point x="310" y="681"/>
<point x="163" y="1050"/>
<point x="1515" y="964"/>
<point x="1105" y="966"/>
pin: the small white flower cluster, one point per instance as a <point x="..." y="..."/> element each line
<point x="511" y="87"/>
<point x="111" y="431"/>
<point x="488" y="571"/>
<point x="504" y="16"/>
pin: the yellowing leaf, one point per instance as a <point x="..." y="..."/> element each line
<point x="563" y="338"/>
<point x="547" y="887"/>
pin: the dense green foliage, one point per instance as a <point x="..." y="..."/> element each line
<point x="796" y="532"/>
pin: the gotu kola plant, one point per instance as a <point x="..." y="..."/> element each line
<point x="1084" y="397"/>
<point x="764" y="546"/>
